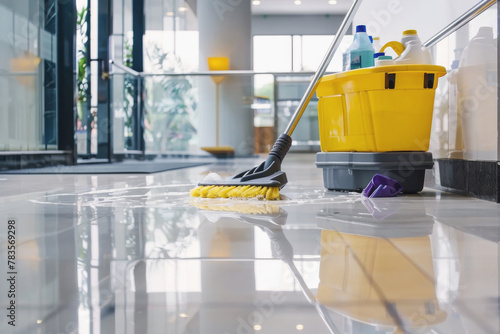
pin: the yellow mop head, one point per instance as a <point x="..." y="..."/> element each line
<point x="263" y="181"/>
<point x="213" y="186"/>
<point x="269" y="193"/>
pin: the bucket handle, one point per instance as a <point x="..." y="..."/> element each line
<point x="395" y="45"/>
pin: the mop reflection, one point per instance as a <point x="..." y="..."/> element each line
<point x="376" y="266"/>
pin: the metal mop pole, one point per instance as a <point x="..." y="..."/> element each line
<point x="322" y="68"/>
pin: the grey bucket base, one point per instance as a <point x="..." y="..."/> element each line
<point x="352" y="171"/>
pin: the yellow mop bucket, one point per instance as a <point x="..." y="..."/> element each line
<point x="379" y="109"/>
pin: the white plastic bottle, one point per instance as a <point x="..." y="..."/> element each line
<point x="410" y="35"/>
<point x="383" y="61"/>
<point x="414" y="52"/>
<point x="481" y="49"/>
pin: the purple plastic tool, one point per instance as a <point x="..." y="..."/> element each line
<point x="382" y="186"/>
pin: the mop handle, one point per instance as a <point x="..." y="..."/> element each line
<point x="311" y="299"/>
<point x="311" y="89"/>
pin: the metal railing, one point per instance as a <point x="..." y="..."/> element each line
<point x="307" y="139"/>
<point x="459" y="22"/>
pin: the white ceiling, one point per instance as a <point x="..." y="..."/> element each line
<point x="281" y="7"/>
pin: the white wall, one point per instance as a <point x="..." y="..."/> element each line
<point x="226" y="33"/>
<point x="22" y="45"/>
<point x="296" y="24"/>
<point x="388" y="19"/>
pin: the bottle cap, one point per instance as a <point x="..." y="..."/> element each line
<point x="378" y="54"/>
<point x="409" y="32"/>
<point x="361" y="28"/>
<point x="385" y="58"/>
<point x="486" y="32"/>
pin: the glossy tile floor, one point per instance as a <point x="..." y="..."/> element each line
<point x="134" y="254"/>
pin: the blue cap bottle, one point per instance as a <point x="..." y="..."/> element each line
<point x="361" y="28"/>
<point x="360" y="53"/>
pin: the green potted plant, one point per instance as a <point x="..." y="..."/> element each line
<point x="129" y="86"/>
<point x="84" y="117"/>
<point x="82" y="82"/>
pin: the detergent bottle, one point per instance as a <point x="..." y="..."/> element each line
<point x="410" y="49"/>
<point x="360" y="53"/>
<point x="414" y="53"/>
<point x="410" y="35"/>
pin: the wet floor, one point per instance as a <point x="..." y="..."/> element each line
<point x="134" y="254"/>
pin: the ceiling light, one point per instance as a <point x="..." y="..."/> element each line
<point x="257" y="327"/>
<point x="298" y="2"/>
<point x="39" y="321"/>
<point x="256" y="2"/>
<point x="299" y="327"/>
<point x="183" y="315"/>
<point x="332" y="2"/>
<point x="182" y="9"/>
<point x="170" y="13"/>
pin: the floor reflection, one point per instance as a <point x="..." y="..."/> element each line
<point x="135" y="258"/>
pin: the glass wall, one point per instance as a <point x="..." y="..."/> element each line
<point x="170" y="44"/>
<point x="28" y="57"/>
<point x="290" y="53"/>
<point x="171" y="34"/>
<point x="287" y="53"/>
<point x="170" y="103"/>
